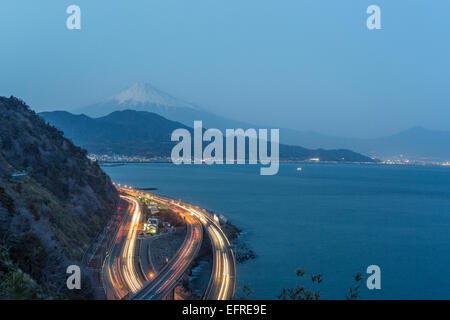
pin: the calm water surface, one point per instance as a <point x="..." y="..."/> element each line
<point x="330" y="219"/>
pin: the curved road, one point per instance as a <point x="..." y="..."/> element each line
<point x="222" y="283"/>
<point x="167" y="278"/>
<point x="122" y="278"/>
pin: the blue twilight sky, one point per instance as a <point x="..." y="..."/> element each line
<point x="304" y="64"/>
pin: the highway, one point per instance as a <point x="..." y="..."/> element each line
<point x="167" y="278"/>
<point x="222" y="283"/>
<point x="121" y="276"/>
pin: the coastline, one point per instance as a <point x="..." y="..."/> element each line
<point x="331" y="205"/>
<point x="242" y="251"/>
<point x="380" y="163"/>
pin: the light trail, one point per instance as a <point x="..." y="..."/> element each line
<point x="120" y="274"/>
<point x="223" y="277"/>
<point x="129" y="268"/>
<point x="172" y="273"/>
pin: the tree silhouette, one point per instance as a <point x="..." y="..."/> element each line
<point x="300" y="292"/>
<point x="354" y="291"/>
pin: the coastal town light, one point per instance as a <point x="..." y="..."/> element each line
<point x="258" y="141"/>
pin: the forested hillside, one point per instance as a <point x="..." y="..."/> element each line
<point x="53" y="202"/>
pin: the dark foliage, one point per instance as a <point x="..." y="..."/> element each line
<point x="6" y="201"/>
<point x="300" y="291"/>
<point x="30" y="255"/>
<point x="54" y="209"/>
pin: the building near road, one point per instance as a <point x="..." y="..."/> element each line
<point x="151" y="226"/>
<point x="153" y="209"/>
<point x="148" y="228"/>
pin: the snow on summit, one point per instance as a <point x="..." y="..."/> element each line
<point x="143" y="93"/>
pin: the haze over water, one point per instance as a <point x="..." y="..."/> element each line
<point x="330" y="219"/>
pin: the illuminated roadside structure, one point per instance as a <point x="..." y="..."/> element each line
<point x="151" y="226"/>
<point x="153" y="209"/>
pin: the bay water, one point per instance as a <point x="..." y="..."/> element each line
<point x="326" y="218"/>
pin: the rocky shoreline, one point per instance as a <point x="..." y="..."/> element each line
<point x="242" y="252"/>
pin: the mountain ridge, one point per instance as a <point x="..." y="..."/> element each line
<point x="145" y="93"/>
<point x="416" y="143"/>
<point x="53" y="203"/>
<point x="430" y="146"/>
<point x="141" y="133"/>
<point x="141" y="97"/>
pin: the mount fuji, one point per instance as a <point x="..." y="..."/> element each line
<point x="145" y="97"/>
<point x="416" y="143"/>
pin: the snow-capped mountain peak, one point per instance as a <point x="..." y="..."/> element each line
<point x="144" y="93"/>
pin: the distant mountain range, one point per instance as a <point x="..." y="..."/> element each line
<point x="416" y="143"/>
<point x="147" y="134"/>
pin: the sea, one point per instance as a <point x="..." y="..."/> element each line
<point x="329" y="219"/>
